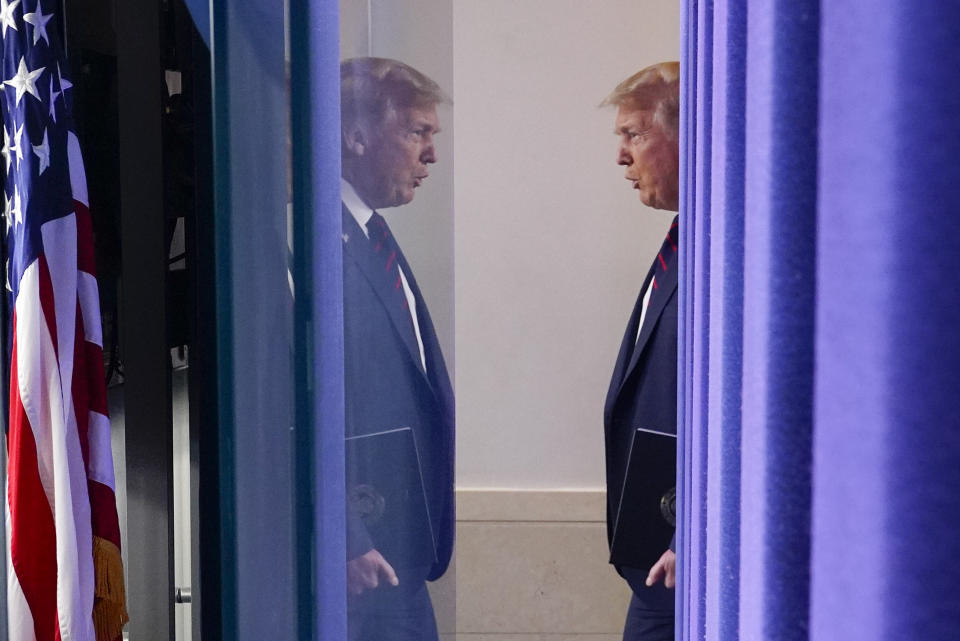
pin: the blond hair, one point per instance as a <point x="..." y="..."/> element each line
<point x="370" y="88"/>
<point x="655" y="88"/>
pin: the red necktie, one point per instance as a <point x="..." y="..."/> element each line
<point x="667" y="250"/>
<point x="385" y="246"/>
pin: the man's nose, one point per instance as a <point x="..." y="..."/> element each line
<point x="429" y="154"/>
<point x="624" y="157"/>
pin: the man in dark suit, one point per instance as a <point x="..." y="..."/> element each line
<point x="395" y="376"/>
<point x="643" y="390"/>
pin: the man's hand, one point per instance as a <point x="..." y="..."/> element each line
<point x="666" y="568"/>
<point x="364" y="572"/>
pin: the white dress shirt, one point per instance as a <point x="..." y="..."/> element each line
<point x="643" y="311"/>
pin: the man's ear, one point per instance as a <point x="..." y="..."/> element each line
<point x="354" y="138"/>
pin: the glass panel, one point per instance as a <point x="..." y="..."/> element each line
<point x="397" y="193"/>
<point x="255" y="318"/>
<point x="551" y="247"/>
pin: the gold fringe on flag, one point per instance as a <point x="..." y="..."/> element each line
<point x="110" y="597"/>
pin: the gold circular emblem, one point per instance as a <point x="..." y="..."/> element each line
<point x="368" y="503"/>
<point x="668" y="506"/>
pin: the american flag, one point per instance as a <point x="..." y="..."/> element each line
<point x="64" y="574"/>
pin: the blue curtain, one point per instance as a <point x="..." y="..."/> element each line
<point x="820" y="358"/>
<point x="315" y="105"/>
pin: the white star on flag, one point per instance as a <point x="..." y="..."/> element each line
<point x="7" y="148"/>
<point x="18" y="137"/>
<point x="64" y="564"/>
<point x="43" y="153"/>
<point x="39" y="22"/>
<point x="25" y="81"/>
<point x="17" y="210"/>
<point x="6" y="15"/>
<point x="53" y="100"/>
<point x="7" y="211"/>
<point x="64" y="83"/>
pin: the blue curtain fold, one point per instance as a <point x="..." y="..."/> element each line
<point x="726" y="326"/>
<point x="699" y="300"/>
<point x="685" y="467"/>
<point x="315" y="126"/>
<point x="819" y="449"/>
<point x="329" y="540"/>
<point x="778" y="318"/>
<point x="886" y="508"/>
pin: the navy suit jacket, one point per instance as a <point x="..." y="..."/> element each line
<point x="386" y="385"/>
<point x="643" y="391"/>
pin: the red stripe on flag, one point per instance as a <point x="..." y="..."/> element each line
<point x="33" y="541"/>
<point x="93" y="356"/>
<point x="94" y="372"/>
<point x="103" y="512"/>
<point x="47" y="301"/>
<point x="81" y="389"/>
<point x="85" y="254"/>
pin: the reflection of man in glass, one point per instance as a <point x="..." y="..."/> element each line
<point x="394" y="372"/>
<point x="643" y="391"/>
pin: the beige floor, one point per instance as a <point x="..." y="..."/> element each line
<point x="531" y="566"/>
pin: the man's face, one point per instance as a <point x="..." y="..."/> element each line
<point x="651" y="159"/>
<point x="395" y="158"/>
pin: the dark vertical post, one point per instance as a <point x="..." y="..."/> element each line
<point x="223" y="533"/>
<point x="204" y="432"/>
<point x="147" y="392"/>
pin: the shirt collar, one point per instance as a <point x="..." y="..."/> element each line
<point x="355" y="205"/>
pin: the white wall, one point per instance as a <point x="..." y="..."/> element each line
<point x="420" y="33"/>
<point x="545" y="242"/>
<point x="551" y="242"/>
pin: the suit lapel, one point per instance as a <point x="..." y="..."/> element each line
<point x="437" y="375"/>
<point x="357" y="246"/>
<point x="668" y="285"/>
<point x="627" y="345"/>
